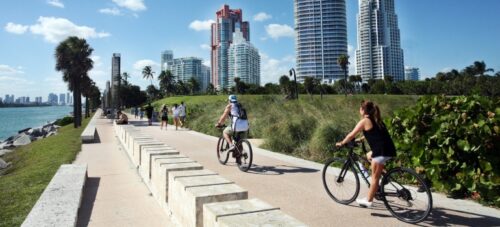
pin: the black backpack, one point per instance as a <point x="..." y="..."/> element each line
<point x="242" y="112"/>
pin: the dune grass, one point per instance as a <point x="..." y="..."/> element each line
<point x="34" y="165"/>
<point x="306" y="128"/>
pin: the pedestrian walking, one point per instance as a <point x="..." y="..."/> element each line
<point x="164" y="117"/>
<point x="175" y="113"/>
<point x="182" y="113"/>
<point x="136" y="112"/>
<point x="149" y="114"/>
<point x="141" y="112"/>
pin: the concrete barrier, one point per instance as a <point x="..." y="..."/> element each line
<point x="130" y="137"/>
<point x="189" y="194"/>
<point x="265" y="218"/>
<point x="89" y="134"/>
<point x="139" y="146"/>
<point x="58" y="205"/>
<point x="213" y="211"/>
<point x="164" y="167"/>
<point x="147" y="158"/>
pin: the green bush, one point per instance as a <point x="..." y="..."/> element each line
<point x="455" y="141"/>
<point x="64" y="121"/>
<point x="323" y="141"/>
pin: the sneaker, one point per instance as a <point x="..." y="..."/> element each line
<point x="364" y="203"/>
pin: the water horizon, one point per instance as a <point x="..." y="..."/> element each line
<point x="13" y="119"/>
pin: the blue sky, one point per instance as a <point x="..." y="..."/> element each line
<point x="435" y="35"/>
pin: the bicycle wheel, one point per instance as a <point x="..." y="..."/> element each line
<point x="401" y="197"/>
<point x="340" y="180"/>
<point x="245" y="154"/>
<point x="222" y="153"/>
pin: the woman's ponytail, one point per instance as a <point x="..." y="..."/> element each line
<point x="377" y="117"/>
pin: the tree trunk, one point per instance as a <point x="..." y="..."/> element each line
<point x="87" y="107"/>
<point x="79" y="105"/>
<point x="75" y="119"/>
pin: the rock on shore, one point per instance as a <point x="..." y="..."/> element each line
<point x="28" y="135"/>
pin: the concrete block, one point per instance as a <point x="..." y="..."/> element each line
<point x="187" y="205"/>
<point x="161" y="177"/>
<point x="265" y="218"/>
<point x="139" y="146"/>
<point x="59" y="203"/>
<point x="133" y="138"/>
<point x="156" y="161"/>
<point x="213" y="211"/>
<point x="160" y="182"/>
<point x="147" y="154"/>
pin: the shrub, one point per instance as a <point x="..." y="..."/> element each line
<point x="323" y="141"/>
<point x="286" y="136"/>
<point x="64" y="121"/>
<point x="455" y="141"/>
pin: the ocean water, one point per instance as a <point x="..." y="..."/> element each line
<point x="15" y="119"/>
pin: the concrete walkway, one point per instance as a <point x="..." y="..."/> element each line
<point x="115" y="194"/>
<point x="295" y="186"/>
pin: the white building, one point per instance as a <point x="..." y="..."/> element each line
<point x="244" y="61"/>
<point x="321" y="37"/>
<point x="379" y="52"/>
<point x="184" y="69"/>
<point x="412" y="73"/>
<point x="167" y="58"/>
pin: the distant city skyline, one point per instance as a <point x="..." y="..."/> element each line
<point x="433" y="37"/>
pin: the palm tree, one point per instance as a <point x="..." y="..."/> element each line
<point x="167" y="82"/>
<point x="237" y="84"/>
<point x="343" y="61"/>
<point x="148" y="73"/>
<point x="125" y="77"/>
<point x="480" y="68"/>
<point x="194" y="85"/>
<point x="73" y="60"/>
<point x="87" y="86"/>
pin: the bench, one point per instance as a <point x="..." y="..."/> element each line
<point x="59" y="203"/>
<point x="89" y="134"/>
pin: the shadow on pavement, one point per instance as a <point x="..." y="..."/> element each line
<point x="448" y="217"/>
<point x="279" y="170"/>
<point x="89" y="196"/>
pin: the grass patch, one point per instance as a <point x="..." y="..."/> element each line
<point x="306" y="128"/>
<point x="34" y="165"/>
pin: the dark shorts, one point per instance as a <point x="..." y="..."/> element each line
<point x="164" y="118"/>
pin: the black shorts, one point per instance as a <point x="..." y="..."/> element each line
<point x="164" y="118"/>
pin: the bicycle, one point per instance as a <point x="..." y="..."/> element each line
<point x="242" y="151"/>
<point x="398" y="188"/>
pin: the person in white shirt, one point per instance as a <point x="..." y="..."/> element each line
<point x="182" y="113"/>
<point x="175" y="112"/>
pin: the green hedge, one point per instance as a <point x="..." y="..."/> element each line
<point x="455" y="142"/>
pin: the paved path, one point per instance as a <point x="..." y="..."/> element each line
<point x="114" y="194"/>
<point x="295" y="186"/>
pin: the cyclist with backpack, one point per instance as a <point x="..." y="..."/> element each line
<point x="238" y="116"/>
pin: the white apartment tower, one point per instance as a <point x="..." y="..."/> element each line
<point x="244" y="60"/>
<point x="379" y="52"/>
<point x="321" y="37"/>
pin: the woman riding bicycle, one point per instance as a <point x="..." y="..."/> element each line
<point x="237" y="123"/>
<point x="378" y="138"/>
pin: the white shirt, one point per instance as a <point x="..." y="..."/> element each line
<point x="175" y="111"/>
<point x="182" y="110"/>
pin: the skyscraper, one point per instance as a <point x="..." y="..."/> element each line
<point x="184" y="69"/>
<point x="244" y="60"/>
<point x="222" y="36"/>
<point x="167" y="58"/>
<point x="379" y="52"/>
<point x="115" y="80"/>
<point x="62" y="99"/>
<point x="205" y="75"/>
<point x="321" y="37"/>
<point x="412" y="73"/>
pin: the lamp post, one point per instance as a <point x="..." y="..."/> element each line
<point x="292" y="72"/>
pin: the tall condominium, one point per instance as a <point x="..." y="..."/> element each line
<point x="62" y="99"/>
<point x="115" y="80"/>
<point x="184" y="69"/>
<point x="321" y="37"/>
<point x="412" y="73"/>
<point x="379" y="52"/>
<point x="244" y="60"/>
<point x="222" y="37"/>
<point x="167" y="58"/>
<point x="205" y="75"/>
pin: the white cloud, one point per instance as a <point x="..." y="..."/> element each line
<point x="272" y="69"/>
<point x="276" y="31"/>
<point x="446" y="69"/>
<point x="205" y="47"/>
<point x="139" y="65"/>
<point x="16" y="28"/>
<point x="134" y="5"/>
<point x="97" y="60"/>
<point x="55" y="29"/>
<point x="7" y="70"/>
<point x="56" y="3"/>
<point x="198" y="25"/>
<point x="262" y="16"/>
<point x="111" y="11"/>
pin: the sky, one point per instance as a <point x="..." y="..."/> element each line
<point x="435" y="36"/>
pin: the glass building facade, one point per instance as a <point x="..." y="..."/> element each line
<point x="321" y="37"/>
<point x="379" y="52"/>
<point x="244" y="61"/>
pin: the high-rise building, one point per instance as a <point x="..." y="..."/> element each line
<point x="379" y="52"/>
<point x="321" y="37"/>
<point x="244" y="60"/>
<point x="52" y="99"/>
<point x="222" y="36"/>
<point x="412" y="73"/>
<point x="167" y="58"/>
<point x="205" y="75"/>
<point x="115" y="80"/>
<point x="68" y="99"/>
<point x="62" y="99"/>
<point x="184" y="69"/>
<point x="38" y="99"/>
